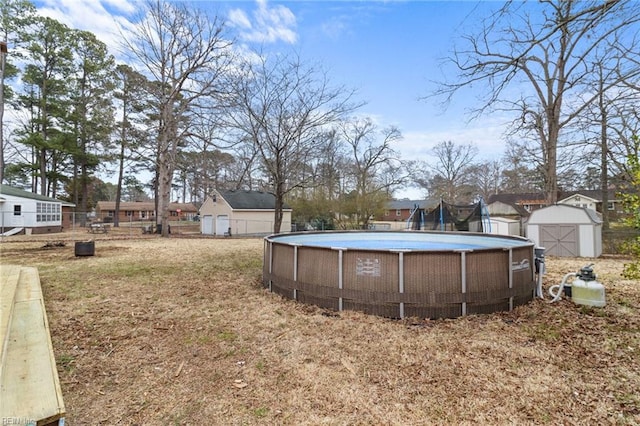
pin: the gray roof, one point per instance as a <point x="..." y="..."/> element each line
<point x="407" y="204"/>
<point x="593" y="215"/>
<point x="511" y="198"/>
<point x="15" y="192"/>
<point x="250" y="200"/>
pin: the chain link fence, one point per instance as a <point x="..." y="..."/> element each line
<point x="36" y="222"/>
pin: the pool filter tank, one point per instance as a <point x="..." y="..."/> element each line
<point x="585" y="290"/>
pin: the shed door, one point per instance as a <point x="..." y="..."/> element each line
<point x="560" y="240"/>
<point x="207" y="225"/>
<point x="222" y="224"/>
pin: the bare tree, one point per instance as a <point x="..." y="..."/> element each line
<point x="545" y="52"/>
<point x="623" y="143"/>
<point x="376" y="168"/>
<point x="451" y="170"/>
<point x="485" y="177"/>
<point x="185" y="53"/>
<point x="281" y="107"/>
<point x="520" y="169"/>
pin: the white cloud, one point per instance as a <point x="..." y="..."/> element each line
<point x="270" y="24"/>
<point x="334" y="27"/>
<point x="94" y="16"/>
<point x="125" y="6"/>
<point x="238" y="18"/>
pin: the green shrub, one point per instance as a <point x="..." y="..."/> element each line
<point x="631" y="202"/>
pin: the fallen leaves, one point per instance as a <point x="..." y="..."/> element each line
<point x="207" y="342"/>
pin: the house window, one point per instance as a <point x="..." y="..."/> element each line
<point x="610" y="206"/>
<point x="386" y="213"/>
<point x="398" y="212"/>
<point x="128" y="213"/>
<point x="48" y="212"/>
<point x="17" y="210"/>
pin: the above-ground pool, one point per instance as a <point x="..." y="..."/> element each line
<point x="401" y="274"/>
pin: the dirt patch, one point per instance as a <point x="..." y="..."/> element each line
<point x="180" y="331"/>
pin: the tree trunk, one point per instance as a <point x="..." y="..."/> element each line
<point x="604" y="151"/>
<point x="278" y="215"/>
<point x="164" y="192"/>
<point x="164" y="185"/>
<point x="168" y="146"/>
<point x="116" y="218"/>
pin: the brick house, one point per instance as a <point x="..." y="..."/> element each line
<point x="142" y="211"/>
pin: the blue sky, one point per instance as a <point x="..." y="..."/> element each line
<point x="389" y="51"/>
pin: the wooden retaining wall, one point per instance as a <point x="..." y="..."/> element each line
<point x="30" y="390"/>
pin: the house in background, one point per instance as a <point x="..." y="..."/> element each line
<point x="400" y="210"/>
<point x="23" y="212"/>
<point x="241" y="213"/>
<point x="142" y="211"/>
<point x="591" y="199"/>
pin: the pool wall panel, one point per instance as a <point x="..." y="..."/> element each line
<point x="318" y="277"/>
<point x="432" y="284"/>
<point x="371" y="282"/>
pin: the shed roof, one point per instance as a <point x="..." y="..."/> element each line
<point x="250" y="200"/>
<point x="16" y="192"/>
<point x="516" y="209"/>
<point x="555" y="213"/>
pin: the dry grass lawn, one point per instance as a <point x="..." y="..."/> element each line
<point x="179" y="331"/>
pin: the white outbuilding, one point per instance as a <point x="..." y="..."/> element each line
<point x="23" y="212"/>
<point x="241" y="213"/>
<point x="504" y="226"/>
<point x="566" y="231"/>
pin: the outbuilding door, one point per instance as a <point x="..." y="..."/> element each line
<point x="207" y="225"/>
<point x="222" y="224"/>
<point x="560" y="240"/>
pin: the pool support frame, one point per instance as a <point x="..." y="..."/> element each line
<point x="401" y="283"/>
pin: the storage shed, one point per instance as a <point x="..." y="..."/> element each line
<point x="566" y="231"/>
<point x="241" y="213"/>
<point x="504" y="226"/>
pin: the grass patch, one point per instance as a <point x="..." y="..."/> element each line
<point x="260" y="412"/>
<point x="176" y="331"/>
<point x="227" y="336"/>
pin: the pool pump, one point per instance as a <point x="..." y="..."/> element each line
<point x="583" y="290"/>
